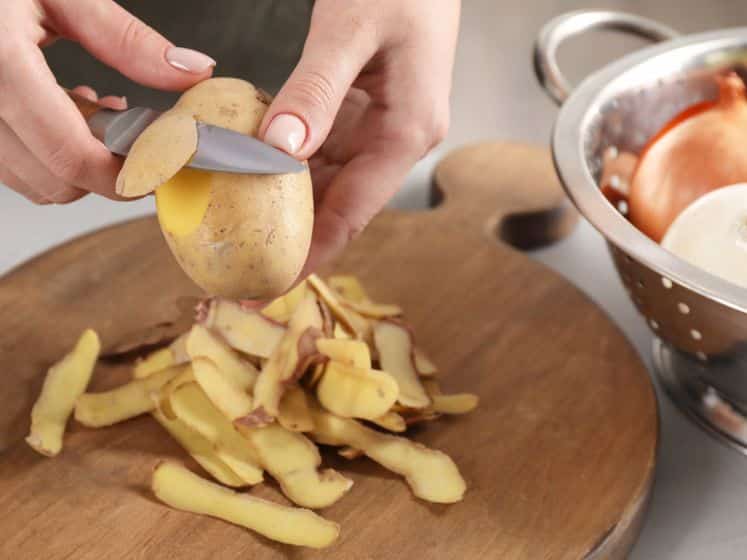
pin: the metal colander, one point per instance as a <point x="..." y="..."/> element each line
<point x="699" y="320"/>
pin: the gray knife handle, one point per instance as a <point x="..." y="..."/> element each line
<point x="97" y="117"/>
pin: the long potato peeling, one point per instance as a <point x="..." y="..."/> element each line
<point x="282" y="308"/>
<point x="64" y="383"/>
<point x="353" y="392"/>
<point x="456" y="403"/>
<point x="350" y="319"/>
<point x="349" y="287"/>
<point x="244" y="330"/>
<point x="193" y="408"/>
<point x="431" y="474"/>
<point x="353" y="353"/>
<point x="295" y="353"/>
<point x="293" y="460"/>
<point x="163" y="399"/>
<point x="201" y="343"/>
<point x="227" y="396"/>
<point x="248" y="391"/>
<point x="295" y="413"/>
<point x="153" y="362"/>
<point x="395" y="349"/>
<point x="424" y="366"/>
<point x="200" y="449"/>
<point x="174" y="137"/>
<point x="391" y="421"/>
<point x="184" y="490"/>
<point x="132" y="399"/>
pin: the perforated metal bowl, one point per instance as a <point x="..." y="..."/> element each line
<point x="700" y="321"/>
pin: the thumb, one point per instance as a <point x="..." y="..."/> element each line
<point x="120" y="40"/>
<point x="301" y="115"/>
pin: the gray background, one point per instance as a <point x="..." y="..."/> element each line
<point x="699" y="508"/>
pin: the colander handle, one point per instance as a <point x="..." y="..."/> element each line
<point x="565" y="26"/>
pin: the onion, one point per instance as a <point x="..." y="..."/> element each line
<point x="702" y="149"/>
<point x="711" y="233"/>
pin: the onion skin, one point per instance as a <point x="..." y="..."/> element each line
<point x="702" y="149"/>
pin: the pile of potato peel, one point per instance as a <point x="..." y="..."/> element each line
<point x="251" y="392"/>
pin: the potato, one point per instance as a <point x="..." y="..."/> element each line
<point x="240" y="236"/>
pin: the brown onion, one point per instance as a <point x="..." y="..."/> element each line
<point x="702" y="149"/>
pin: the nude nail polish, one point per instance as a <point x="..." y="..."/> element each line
<point x="188" y="60"/>
<point x="286" y="132"/>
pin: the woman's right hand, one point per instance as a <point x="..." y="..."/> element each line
<point x="47" y="152"/>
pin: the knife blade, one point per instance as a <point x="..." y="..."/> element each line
<point x="218" y="149"/>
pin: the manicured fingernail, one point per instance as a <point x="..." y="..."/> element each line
<point x="286" y="132"/>
<point x="189" y="60"/>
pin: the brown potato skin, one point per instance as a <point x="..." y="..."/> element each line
<point x="255" y="235"/>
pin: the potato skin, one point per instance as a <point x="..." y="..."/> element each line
<point x="255" y="234"/>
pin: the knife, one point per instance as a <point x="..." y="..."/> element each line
<point x="218" y="149"/>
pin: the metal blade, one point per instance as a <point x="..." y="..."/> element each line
<point x="218" y="149"/>
<point x="119" y="129"/>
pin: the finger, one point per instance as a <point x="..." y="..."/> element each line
<point x="113" y="102"/>
<point x="356" y="194"/>
<point x="125" y="43"/>
<point x="48" y="123"/>
<point x="322" y="174"/>
<point x="11" y="180"/>
<point x="108" y="101"/>
<point x="17" y="159"/>
<point x="301" y="115"/>
<point x="86" y="92"/>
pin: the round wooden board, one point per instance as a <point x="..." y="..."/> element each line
<point x="559" y="456"/>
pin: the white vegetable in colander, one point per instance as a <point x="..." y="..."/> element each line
<point x="711" y="233"/>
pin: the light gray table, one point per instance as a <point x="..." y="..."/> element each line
<point x="699" y="507"/>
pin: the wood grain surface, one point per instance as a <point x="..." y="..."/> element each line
<point x="558" y="457"/>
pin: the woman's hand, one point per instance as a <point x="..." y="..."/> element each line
<point x="368" y="99"/>
<point x="46" y="150"/>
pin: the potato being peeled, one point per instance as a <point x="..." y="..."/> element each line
<point x="238" y="236"/>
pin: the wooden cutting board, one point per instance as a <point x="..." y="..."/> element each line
<point x="559" y="456"/>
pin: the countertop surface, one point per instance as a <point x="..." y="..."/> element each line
<point x="698" y="508"/>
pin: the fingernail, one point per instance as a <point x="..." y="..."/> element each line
<point x="188" y="60"/>
<point x="286" y="132"/>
